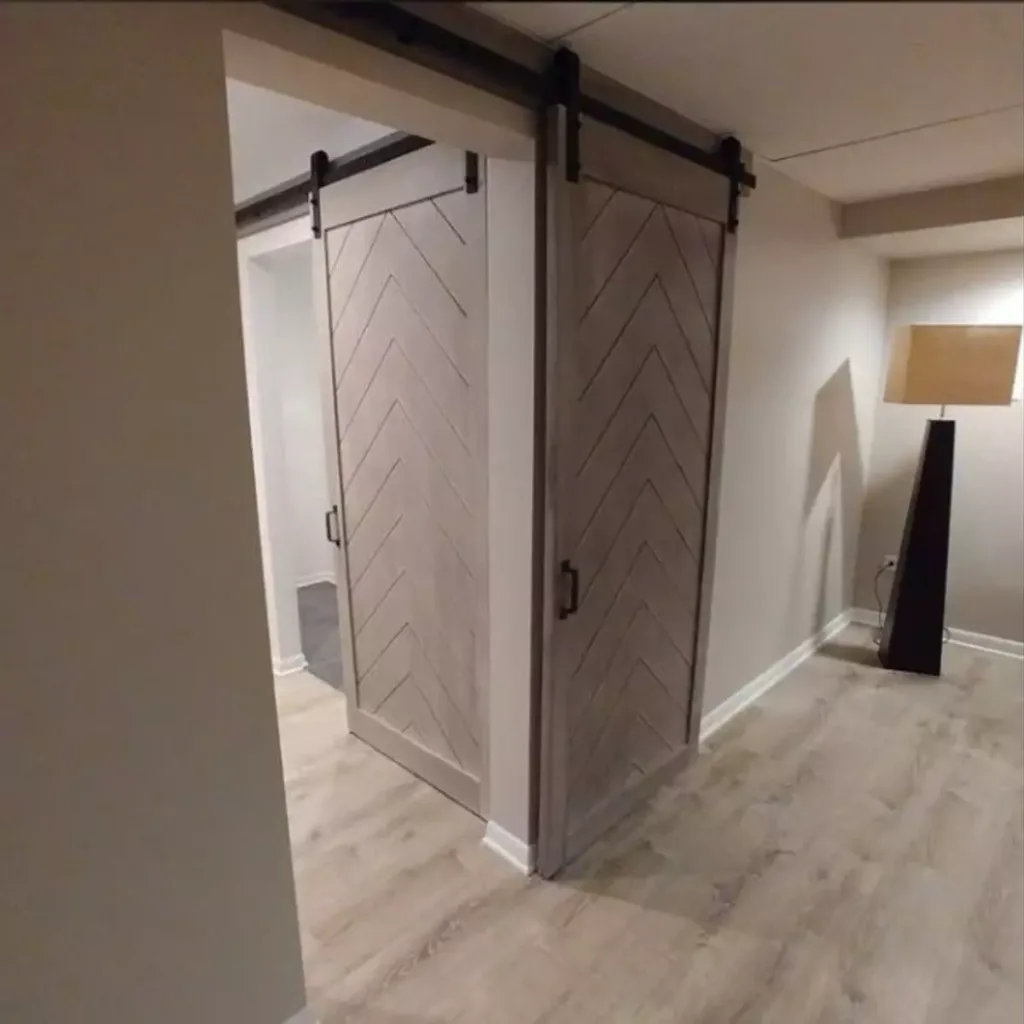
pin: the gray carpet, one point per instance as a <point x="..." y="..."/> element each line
<point x="318" y="623"/>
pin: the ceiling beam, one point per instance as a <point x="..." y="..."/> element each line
<point x="275" y="50"/>
<point x="994" y="199"/>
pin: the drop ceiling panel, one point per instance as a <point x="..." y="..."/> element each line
<point x="791" y="78"/>
<point x="971" y="149"/>
<point x="547" y="21"/>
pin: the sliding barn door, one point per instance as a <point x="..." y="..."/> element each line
<point x="636" y="277"/>
<point x="404" y="255"/>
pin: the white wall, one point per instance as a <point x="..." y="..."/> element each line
<point x="297" y="381"/>
<point x="804" y="374"/>
<point x="144" y="858"/>
<point x="985" y="586"/>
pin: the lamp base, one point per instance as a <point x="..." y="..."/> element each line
<point x="912" y="633"/>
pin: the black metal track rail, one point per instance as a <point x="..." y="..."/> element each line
<point x="372" y="21"/>
<point x="296" y="192"/>
<point x="717" y="161"/>
<point x="289" y="195"/>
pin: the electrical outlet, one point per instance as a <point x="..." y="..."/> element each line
<point x="889" y="562"/>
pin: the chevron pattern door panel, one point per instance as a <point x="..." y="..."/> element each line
<point x="406" y="294"/>
<point x="636" y="379"/>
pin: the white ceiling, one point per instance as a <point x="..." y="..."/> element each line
<point x="548" y="21"/>
<point x="953" y="153"/>
<point x="984" y="236"/>
<point x="853" y="99"/>
<point x="272" y="136"/>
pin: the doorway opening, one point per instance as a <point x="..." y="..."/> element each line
<point x="374" y="425"/>
<point x="272" y="136"/>
<point x="390" y="600"/>
<point x="299" y="574"/>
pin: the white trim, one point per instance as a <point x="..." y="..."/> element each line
<point x="324" y="576"/>
<point x="960" y="637"/>
<point x="757" y="688"/>
<point x="304" y="1016"/>
<point x="289" y="666"/>
<point x="510" y="848"/>
<point x="991" y="644"/>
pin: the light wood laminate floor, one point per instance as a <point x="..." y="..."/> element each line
<point x="849" y="850"/>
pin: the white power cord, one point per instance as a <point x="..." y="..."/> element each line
<point x="887" y="566"/>
<point x="884" y="567"/>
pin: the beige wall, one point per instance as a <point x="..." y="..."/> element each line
<point x="804" y="374"/>
<point x="986" y="558"/>
<point x="144" y="865"/>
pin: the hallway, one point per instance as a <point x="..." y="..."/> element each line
<point x="849" y="849"/>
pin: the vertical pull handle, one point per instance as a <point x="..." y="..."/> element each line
<point x="573" y="607"/>
<point x="472" y="172"/>
<point x="333" y="535"/>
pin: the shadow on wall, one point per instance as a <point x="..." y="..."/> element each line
<point x="834" y="462"/>
<point x="886" y="503"/>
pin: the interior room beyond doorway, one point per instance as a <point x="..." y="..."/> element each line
<point x="291" y="461"/>
<point x="272" y="136"/>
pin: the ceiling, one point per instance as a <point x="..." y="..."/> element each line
<point x="906" y="96"/>
<point x="855" y="100"/>
<point x="272" y="136"/>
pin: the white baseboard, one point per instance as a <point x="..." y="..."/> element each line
<point x="960" y="637"/>
<point x="717" y="717"/>
<point x="305" y="1016"/>
<point x="508" y="847"/>
<point x="992" y="644"/>
<point x="315" y="577"/>
<point x="289" y="666"/>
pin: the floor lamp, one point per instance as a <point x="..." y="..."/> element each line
<point x="936" y="364"/>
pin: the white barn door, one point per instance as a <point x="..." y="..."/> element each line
<point x="404" y="269"/>
<point x="639" y="245"/>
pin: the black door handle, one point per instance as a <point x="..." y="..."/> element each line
<point x="334" y="536"/>
<point x="573" y="607"/>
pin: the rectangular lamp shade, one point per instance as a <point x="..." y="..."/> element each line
<point x="953" y="364"/>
